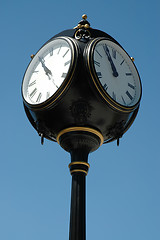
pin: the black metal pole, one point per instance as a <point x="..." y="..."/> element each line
<point x="78" y="211"/>
<point x="78" y="168"/>
<point x="79" y="142"/>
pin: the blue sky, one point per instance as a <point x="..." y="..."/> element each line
<point x="123" y="193"/>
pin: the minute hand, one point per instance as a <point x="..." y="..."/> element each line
<point x="115" y="73"/>
<point x="47" y="71"/>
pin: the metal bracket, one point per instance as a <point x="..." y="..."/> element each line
<point x="42" y="138"/>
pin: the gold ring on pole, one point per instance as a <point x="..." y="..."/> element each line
<point x="79" y="170"/>
<point x="85" y="129"/>
<point x="82" y="163"/>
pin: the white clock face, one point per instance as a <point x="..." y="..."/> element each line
<point x="116" y="73"/>
<point x="47" y="71"/>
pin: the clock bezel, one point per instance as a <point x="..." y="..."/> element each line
<point x="66" y="82"/>
<point x="91" y="67"/>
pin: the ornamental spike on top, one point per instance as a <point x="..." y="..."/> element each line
<point x="83" y="23"/>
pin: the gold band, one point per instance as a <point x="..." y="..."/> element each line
<point x="84" y="129"/>
<point x="81" y="163"/>
<point x="79" y="170"/>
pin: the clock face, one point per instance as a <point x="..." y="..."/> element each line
<point x="116" y="73"/>
<point x="47" y="71"/>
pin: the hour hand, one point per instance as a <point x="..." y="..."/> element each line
<point x="115" y="73"/>
<point x="47" y="71"/>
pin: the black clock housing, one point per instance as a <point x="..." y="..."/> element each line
<point x="81" y="108"/>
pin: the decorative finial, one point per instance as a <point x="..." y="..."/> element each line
<point x="83" y="23"/>
<point x="84" y="16"/>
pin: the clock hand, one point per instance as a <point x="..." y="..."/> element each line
<point x="115" y="73"/>
<point x="49" y="74"/>
<point x="47" y="71"/>
<point x="53" y="81"/>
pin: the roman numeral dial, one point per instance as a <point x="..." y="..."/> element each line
<point x="48" y="70"/>
<point x="115" y="74"/>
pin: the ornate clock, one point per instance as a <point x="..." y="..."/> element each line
<point x="49" y="73"/>
<point x="114" y="74"/>
<point x="81" y="89"/>
<point x="81" y="80"/>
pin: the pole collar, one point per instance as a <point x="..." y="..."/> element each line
<point x="79" y="167"/>
<point x="80" y="129"/>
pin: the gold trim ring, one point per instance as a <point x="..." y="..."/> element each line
<point x="73" y="168"/>
<point x="81" y="163"/>
<point x="78" y="170"/>
<point x="84" y="129"/>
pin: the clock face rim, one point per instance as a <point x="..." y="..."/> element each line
<point x="97" y="82"/>
<point x="66" y="82"/>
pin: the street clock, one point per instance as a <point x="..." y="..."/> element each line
<point x="81" y="90"/>
<point x="81" y="79"/>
